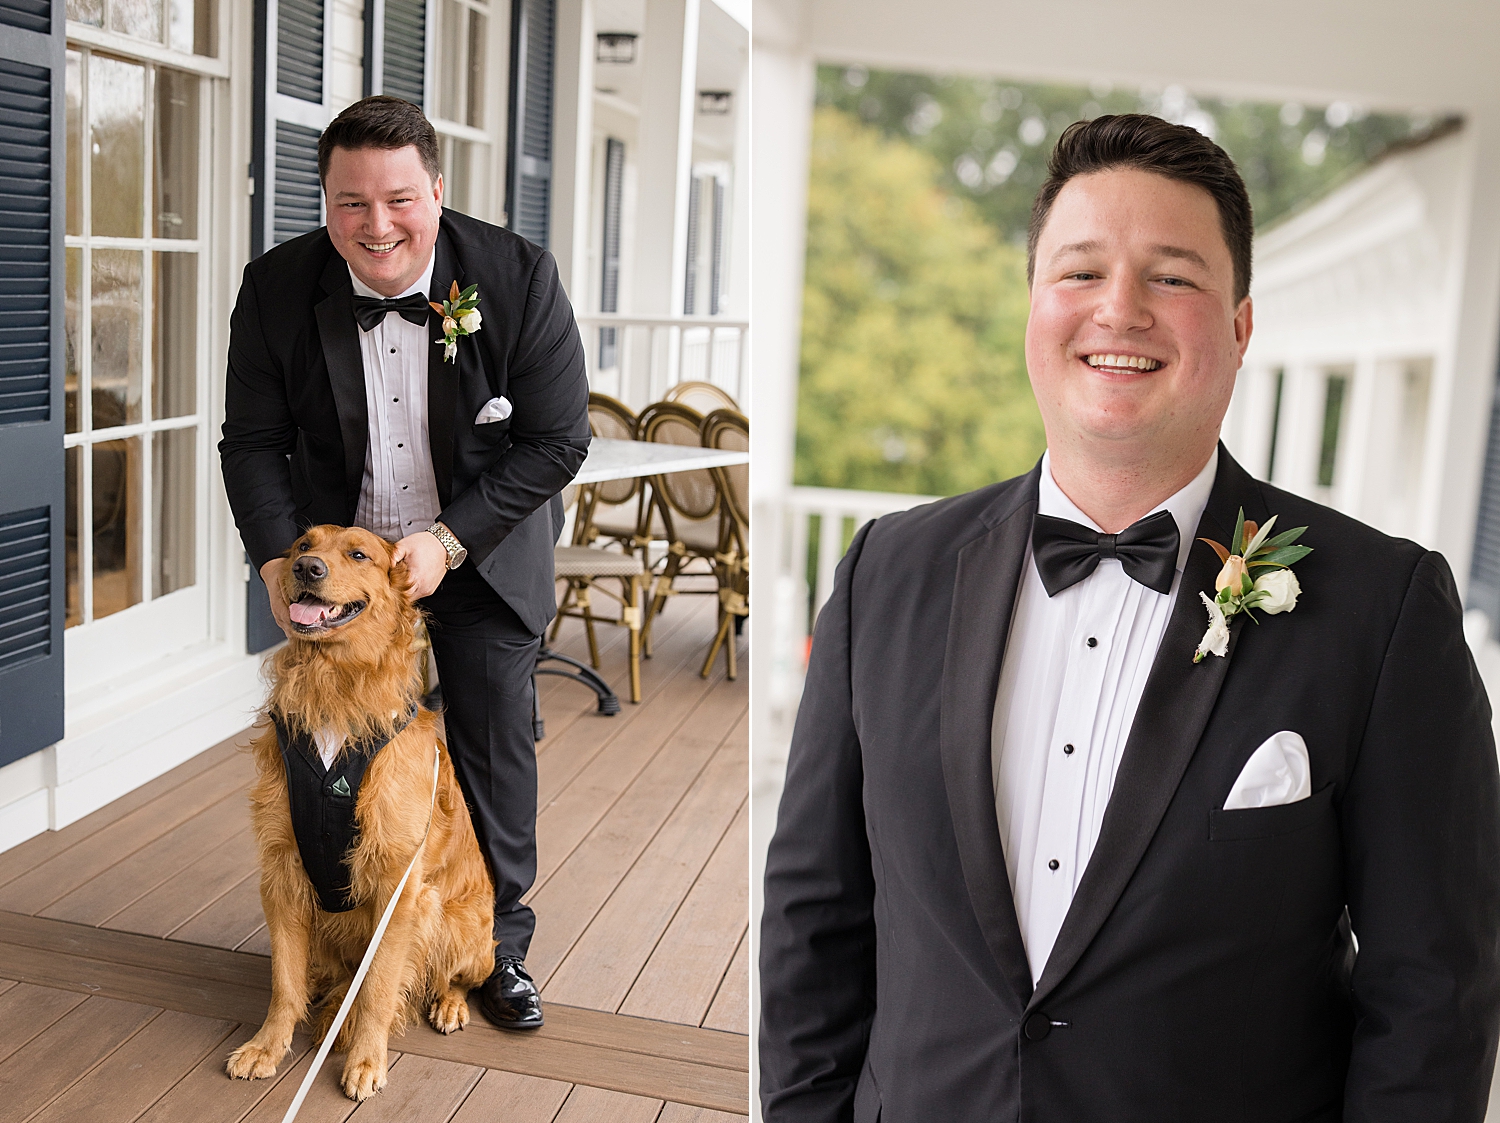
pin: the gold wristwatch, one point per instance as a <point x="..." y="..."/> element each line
<point x="456" y="552"/>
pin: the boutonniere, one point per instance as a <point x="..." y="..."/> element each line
<point x="1257" y="574"/>
<point x="461" y="316"/>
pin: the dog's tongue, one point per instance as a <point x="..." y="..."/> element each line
<point x="308" y="615"/>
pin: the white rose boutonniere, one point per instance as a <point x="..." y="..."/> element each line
<point x="461" y="316"/>
<point x="1256" y="574"/>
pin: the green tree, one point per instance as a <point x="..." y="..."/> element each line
<point x="913" y="375"/>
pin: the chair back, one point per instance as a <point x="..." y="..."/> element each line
<point x="612" y="418"/>
<point x="692" y="494"/>
<point x="704" y="397"/>
<point x="730" y="429"/>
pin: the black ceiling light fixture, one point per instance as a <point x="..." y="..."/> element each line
<point x="616" y="47"/>
<point x="714" y="103"/>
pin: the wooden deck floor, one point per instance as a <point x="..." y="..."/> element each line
<point x="133" y="953"/>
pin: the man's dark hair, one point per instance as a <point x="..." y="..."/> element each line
<point x="381" y="122"/>
<point x="1136" y="140"/>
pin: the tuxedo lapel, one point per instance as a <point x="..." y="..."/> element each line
<point x="346" y="370"/>
<point x="1175" y="707"/>
<point x="984" y="595"/>
<point x="443" y="376"/>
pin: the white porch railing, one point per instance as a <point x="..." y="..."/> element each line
<point x="636" y="358"/>
<point x="817" y="524"/>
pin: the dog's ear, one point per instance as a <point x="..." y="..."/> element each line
<point x="401" y="580"/>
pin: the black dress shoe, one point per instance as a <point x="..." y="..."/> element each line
<point x="509" y="998"/>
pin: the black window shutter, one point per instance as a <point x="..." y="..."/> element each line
<point x="694" y="224"/>
<point x="290" y="112"/>
<point x="716" y="250"/>
<point x="32" y="501"/>
<point x="396" y="49"/>
<point x="609" y="281"/>
<point x="1484" y="569"/>
<point x="529" y="156"/>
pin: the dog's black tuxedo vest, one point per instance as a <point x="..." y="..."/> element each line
<point x="322" y="802"/>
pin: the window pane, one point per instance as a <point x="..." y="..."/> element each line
<point x="176" y="203"/>
<point x="72" y="457"/>
<point x="141" y="18"/>
<point x="117" y="100"/>
<point x="450" y="71"/>
<point x="87" y="11"/>
<point x="478" y="28"/>
<point x="75" y="143"/>
<point x="115" y="320"/>
<point x="174" y="375"/>
<point x="458" y="180"/>
<point x="173" y="502"/>
<point x="191" y="26"/>
<point x="117" y="526"/>
<point x="72" y="341"/>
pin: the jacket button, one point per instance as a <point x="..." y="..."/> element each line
<point x="1037" y="1027"/>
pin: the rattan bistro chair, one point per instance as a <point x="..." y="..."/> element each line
<point x="704" y="397"/>
<point x="583" y="567"/>
<point x="612" y="509"/>
<point x="687" y="504"/>
<point x="730" y="429"/>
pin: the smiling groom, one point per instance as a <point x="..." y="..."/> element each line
<point x="350" y="400"/>
<point x="1086" y="819"/>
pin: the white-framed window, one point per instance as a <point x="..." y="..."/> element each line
<point x="136" y="321"/>
<point x="466" y="103"/>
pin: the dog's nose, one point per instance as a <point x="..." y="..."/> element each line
<point x="309" y="568"/>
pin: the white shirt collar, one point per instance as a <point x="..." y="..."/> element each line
<point x="422" y="284"/>
<point x="1186" y="505"/>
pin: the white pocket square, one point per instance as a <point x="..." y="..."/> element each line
<point x="496" y="409"/>
<point x="1278" y="772"/>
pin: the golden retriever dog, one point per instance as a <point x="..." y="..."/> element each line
<point x="349" y="673"/>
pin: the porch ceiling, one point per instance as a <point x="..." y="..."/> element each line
<point x="1383" y="53"/>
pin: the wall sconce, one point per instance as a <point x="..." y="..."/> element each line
<point x="713" y="103"/>
<point x="615" y="47"/>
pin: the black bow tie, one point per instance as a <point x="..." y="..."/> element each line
<point x="1066" y="553"/>
<point x="370" y="310"/>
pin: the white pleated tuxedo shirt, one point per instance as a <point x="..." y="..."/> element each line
<point x="398" y="495"/>
<point x="1064" y="708"/>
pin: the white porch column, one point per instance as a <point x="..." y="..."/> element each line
<point x="572" y="147"/>
<point x="669" y="68"/>
<point x="781" y="139"/>
<point x="739" y="202"/>
<point x="1463" y="378"/>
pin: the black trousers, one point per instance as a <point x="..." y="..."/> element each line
<point x="485" y="659"/>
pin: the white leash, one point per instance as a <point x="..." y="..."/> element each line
<point x="364" y="966"/>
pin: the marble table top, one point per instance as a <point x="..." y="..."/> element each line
<point x="610" y="459"/>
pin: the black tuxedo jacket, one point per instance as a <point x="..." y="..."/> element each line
<point x="1204" y="971"/>
<point x="295" y="421"/>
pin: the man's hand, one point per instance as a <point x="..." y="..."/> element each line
<point x="271" y="573"/>
<point x="426" y="561"/>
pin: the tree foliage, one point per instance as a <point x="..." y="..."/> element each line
<point x="914" y="316"/>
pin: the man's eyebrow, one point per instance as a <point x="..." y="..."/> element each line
<point x="1182" y="253"/>
<point x="1076" y="247"/>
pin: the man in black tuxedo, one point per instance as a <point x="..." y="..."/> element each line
<point x="1034" y="861"/>
<point x="342" y="407"/>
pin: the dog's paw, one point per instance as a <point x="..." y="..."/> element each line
<point x="363" y="1077"/>
<point x="449" y="1013"/>
<point x="254" y="1061"/>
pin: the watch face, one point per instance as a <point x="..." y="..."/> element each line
<point x="458" y="559"/>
